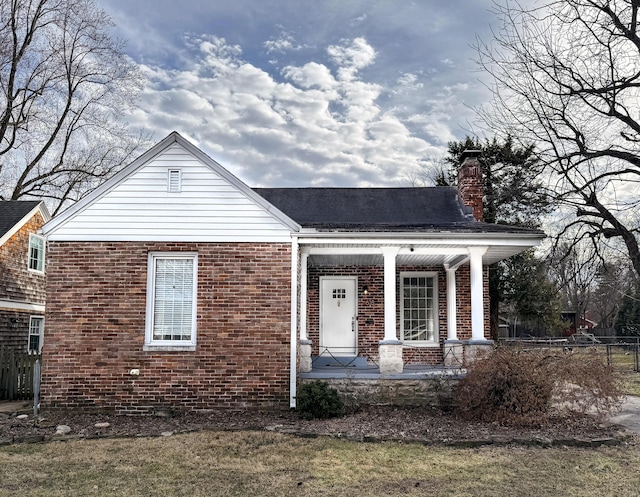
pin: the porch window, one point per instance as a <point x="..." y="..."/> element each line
<point x="36" y="329"/>
<point x="36" y="253"/>
<point x="171" y="301"/>
<point x="419" y="323"/>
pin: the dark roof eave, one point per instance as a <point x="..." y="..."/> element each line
<point x="428" y="234"/>
<point x="13" y="212"/>
<point x="394" y="230"/>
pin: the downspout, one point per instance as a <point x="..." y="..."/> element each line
<point x="293" y="360"/>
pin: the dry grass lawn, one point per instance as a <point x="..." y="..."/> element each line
<point x="631" y="383"/>
<point x="272" y="464"/>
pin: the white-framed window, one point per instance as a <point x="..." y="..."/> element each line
<point x="174" y="180"/>
<point x="172" y="284"/>
<point x="419" y="307"/>
<point x="36" y="253"/>
<point x="36" y="334"/>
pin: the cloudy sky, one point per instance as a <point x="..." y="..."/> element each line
<point x="308" y="93"/>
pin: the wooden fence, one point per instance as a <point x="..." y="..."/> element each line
<point x="17" y="374"/>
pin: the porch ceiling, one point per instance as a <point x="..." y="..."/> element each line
<point x="451" y="255"/>
<point x="375" y="260"/>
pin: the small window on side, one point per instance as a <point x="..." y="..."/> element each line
<point x="174" y="181"/>
<point x="36" y="334"/>
<point x="36" y="253"/>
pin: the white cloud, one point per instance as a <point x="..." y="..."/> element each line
<point x="352" y="57"/>
<point x="358" y="20"/>
<point x="282" y="44"/>
<point x="311" y="75"/>
<point x="408" y="82"/>
<point x="317" y="126"/>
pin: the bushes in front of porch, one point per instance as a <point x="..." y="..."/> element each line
<point x="530" y="387"/>
<point x="317" y="400"/>
<point x="507" y="386"/>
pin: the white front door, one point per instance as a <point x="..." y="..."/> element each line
<point x="338" y="311"/>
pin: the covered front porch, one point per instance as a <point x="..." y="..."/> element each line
<point x="379" y="307"/>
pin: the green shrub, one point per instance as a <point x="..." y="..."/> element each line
<point x="526" y="387"/>
<point x="316" y="399"/>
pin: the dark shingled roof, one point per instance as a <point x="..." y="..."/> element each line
<point x="12" y="211"/>
<point x="379" y="209"/>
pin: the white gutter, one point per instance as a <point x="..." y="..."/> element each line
<point x="431" y="239"/>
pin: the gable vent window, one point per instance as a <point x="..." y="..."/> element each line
<point x="174" y="181"/>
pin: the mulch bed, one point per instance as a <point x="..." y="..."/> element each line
<point x="369" y="423"/>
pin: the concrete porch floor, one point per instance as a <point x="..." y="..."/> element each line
<point x="330" y="367"/>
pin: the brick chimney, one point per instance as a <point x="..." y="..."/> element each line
<point x="470" y="182"/>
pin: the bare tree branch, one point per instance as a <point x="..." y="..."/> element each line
<point x="64" y="85"/>
<point x="566" y="76"/>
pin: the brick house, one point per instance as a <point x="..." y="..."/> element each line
<point x="22" y="279"/>
<point x="176" y="285"/>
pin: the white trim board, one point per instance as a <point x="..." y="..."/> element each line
<point x="11" y="305"/>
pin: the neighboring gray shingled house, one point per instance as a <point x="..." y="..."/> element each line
<point x="22" y="280"/>
<point x="192" y="290"/>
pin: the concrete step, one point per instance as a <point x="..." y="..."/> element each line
<point x="339" y="361"/>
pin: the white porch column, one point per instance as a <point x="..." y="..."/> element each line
<point x="304" y="271"/>
<point x="452" y="328"/>
<point x="453" y="348"/>
<point x="390" y="253"/>
<point x="306" y="364"/>
<point x="390" y="349"/>
<point x="477" y="293"/>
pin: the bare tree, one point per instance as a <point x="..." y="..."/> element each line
<point x="566" y="76"/>
<point x="575" y="269"/>
<point x="615" y="280"/>
<point x="64" y="84"/>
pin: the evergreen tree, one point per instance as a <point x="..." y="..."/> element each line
<point x="513" y="195"/>
<point x="628" y="317"/>
<point x="527" y="290"/>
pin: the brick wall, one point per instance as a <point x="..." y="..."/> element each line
<point x="371" y="309"/>
<point x="470" y="184"/>
<point x="463" y="302"/>
<point x="96" y="327"/>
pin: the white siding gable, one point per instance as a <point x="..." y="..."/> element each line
<point x="141" y="206"/>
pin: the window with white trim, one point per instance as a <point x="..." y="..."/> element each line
<point x="36" y="334"/>
<point x="171" y="300"/>
<point x="36" y="253"/>
<point x="174" y="181"/>
<point x="419" y="307"/>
